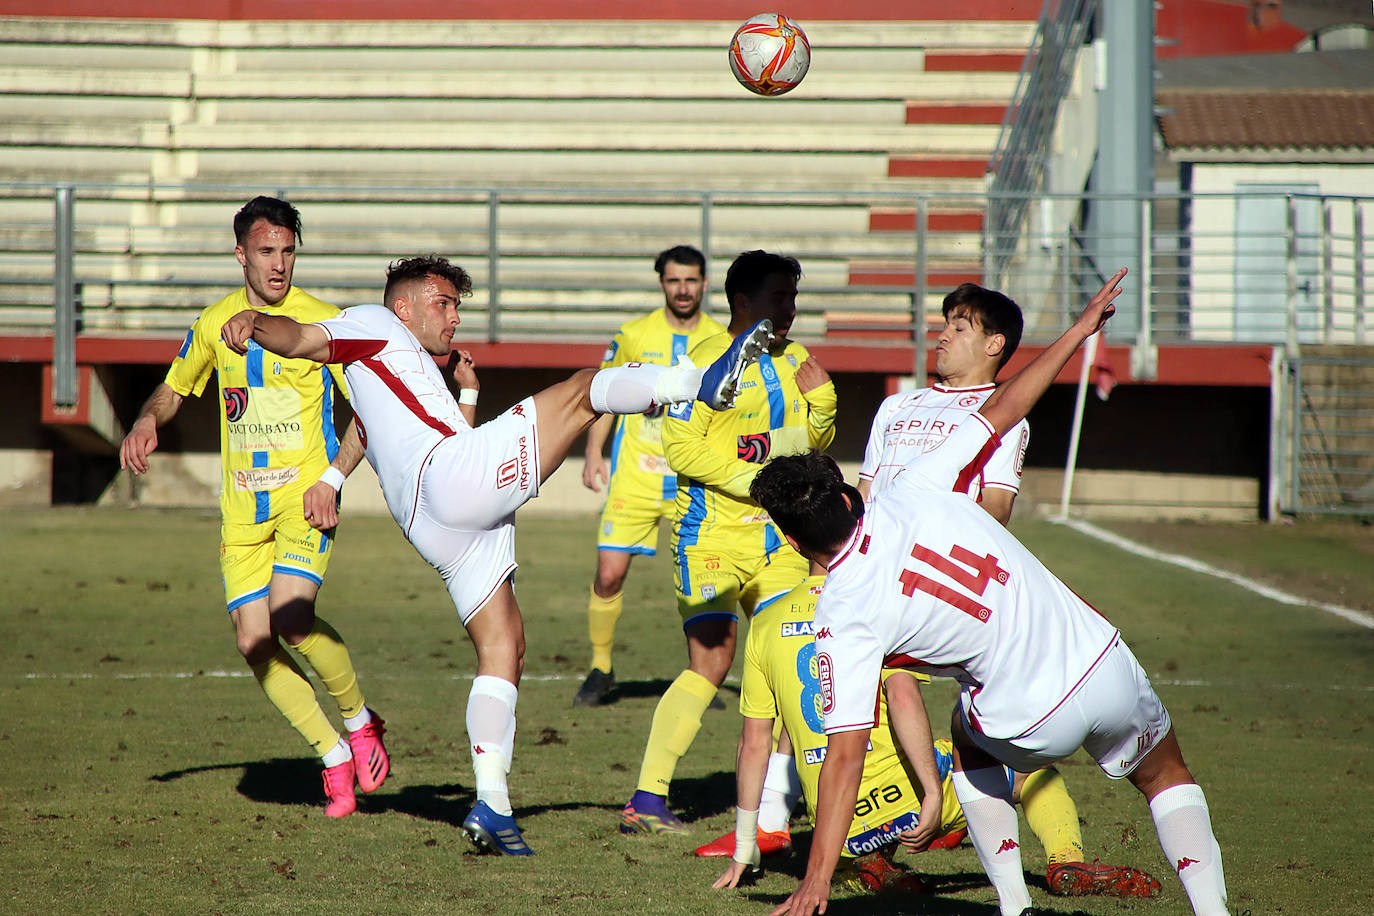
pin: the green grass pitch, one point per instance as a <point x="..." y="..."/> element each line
<point x="142" y="771"/>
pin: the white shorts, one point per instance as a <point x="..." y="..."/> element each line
<point x="1114" y="715"/>
<point x="469" y="489"/>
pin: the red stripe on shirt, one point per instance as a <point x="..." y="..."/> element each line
<point x="975" y="467"/>
<point x="351" y="351"/>
<point x="405" y="395"/>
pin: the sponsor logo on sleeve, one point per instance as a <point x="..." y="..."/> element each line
<point x="507" y="473"/>
<point x="826" y="676"/>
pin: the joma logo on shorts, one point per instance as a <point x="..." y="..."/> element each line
<point x="297" y="557"/>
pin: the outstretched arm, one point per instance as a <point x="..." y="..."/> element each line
<point x="1014" y="399"/>
<point x="277" y="333"/>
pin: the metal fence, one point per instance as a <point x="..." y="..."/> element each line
<point x="1258" y="267"/>
<point x="1324" y="455"/>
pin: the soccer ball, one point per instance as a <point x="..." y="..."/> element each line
<point x="769" y="54"/>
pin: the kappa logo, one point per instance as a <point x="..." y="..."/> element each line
<point x="518" y="410"/>
<point x="477" y="749"/>
<point x="235" y="403"/>
<point x="1184" y="863"/>
<point x="1007" y="845"/>
<point x="507" y="473"/>
<point x="823" y="633"/>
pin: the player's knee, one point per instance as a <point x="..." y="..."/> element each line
<point x="608" y="583"/>
<point x="257" y="648"/>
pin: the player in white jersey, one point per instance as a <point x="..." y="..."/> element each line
<point x="982" y="331"/>
<point x="925" y="579"/>
<point x="454" y="489"/>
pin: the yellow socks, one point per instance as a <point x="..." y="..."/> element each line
<point x="325" y="650"/>
<point x="677" y="719"/>
<point x="286" y="686"/>
<point x="1052" y="816"/>
<point x="602" y="614"/>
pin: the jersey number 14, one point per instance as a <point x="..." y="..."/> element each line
<point x="964" y="567"/>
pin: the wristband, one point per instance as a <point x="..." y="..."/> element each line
<point x="467" y="396"/>
<point x="747" y="836"/>
<point x="332" y="476"/>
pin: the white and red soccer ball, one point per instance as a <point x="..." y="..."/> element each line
<point x="769" y="54"/>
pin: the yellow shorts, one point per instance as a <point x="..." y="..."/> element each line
<point x="250" y="554"/>
<point x="711" y="583"/>
<point x="630" y="525"/>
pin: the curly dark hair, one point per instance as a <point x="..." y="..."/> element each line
<point x="804" y="495"/>
<point x="994" y="312"/>
<point x="275" y="211"/>
<point x="429" y="265"/>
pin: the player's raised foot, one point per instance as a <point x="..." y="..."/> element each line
<point x="338" y="790"/>
<point x="494" y="833"/>
<point x="770" y="842"/>
<point x="1086" y="879"/>
<point x="370" y="760"/>
<point x="949" y="840"/>
<point x="720" y="381"/>
<point x="594" y="689"/>
<point x="878" y="874"/>
<point x="648" y="813"/>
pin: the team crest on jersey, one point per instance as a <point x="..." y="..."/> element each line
<point x="753" y="447"/>
<point x="791" y="360"/>
<point x="607" y="528"/>
<point x="235" y="403"/>
<point x="970" y="400"/>
<point x="708" y="592"/>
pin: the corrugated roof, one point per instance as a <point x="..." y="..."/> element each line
<point x="1247" y="119"/>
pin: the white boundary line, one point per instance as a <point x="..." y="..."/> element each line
<point x="1360" y="618"/>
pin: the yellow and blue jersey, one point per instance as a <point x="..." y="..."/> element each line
<point x="277" y="430"/>
<point x="781" y="680"/>
<point x="717" y="453"/>
<point x="638" y="469"/>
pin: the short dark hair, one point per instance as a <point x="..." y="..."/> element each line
<point x="804" y="495"/>
<point x="680" y="254"/>
<point x="751" y="270"/>
<point x="417" y="268"/>
<point x="994" y="312"/>
<point x="275" y="211"/>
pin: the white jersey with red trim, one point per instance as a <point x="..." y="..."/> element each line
<point x="404" y="408"/>
<point x="930" y="581"/>
<point x="912" y="423"/>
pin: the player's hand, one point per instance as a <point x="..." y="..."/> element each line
<point x="462" y="368"/>
<point x="595" y="472"/>
<point x="238" y="330"/>
<point x="810" y="375"/>
<point x="919" y="838"/>
<point x="732" y="875"/>
<point x="812" y="897"/>
<point x="1100" y="307"/>
<point x="321" y="506"/>
<point x="138" y="445"/>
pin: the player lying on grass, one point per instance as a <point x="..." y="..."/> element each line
<point x="926" y="579"/>
<point x="780" y="681"/>
<point x="454" y="488"/>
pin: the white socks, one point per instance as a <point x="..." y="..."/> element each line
<point x="491" y="734"/>
<point x="993" y="829"/>
<point x="1185" y="835"/>
<point x="353" y="723"/>
<point x="636" y="388"/>
<point x="339" y="753"/>
<point x="781" y="789"/>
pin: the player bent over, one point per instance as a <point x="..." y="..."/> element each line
<point x="453" y="489"/>
<point x="925" y="578"/>
<point x="282" y="469"/>
<point x="781" y="681"/>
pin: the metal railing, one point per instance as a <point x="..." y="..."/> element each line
<point x="1279" y="268"/>
<point x="1324" y="462"/>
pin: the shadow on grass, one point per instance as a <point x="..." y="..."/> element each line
<point x="655" y="687"/>
<point x="699" y="797"/>
<point x="296" y="781"/>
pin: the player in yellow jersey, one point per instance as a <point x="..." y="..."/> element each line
<point x="282" y="467"/>
<point x="642" y="489"/>
<point x="781" y="681"/>
<point x="726" y="552"/>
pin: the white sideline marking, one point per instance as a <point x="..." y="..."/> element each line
<point x="1359" y="618"/>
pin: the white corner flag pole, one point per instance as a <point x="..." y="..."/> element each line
<point x="1089" y="357"/>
